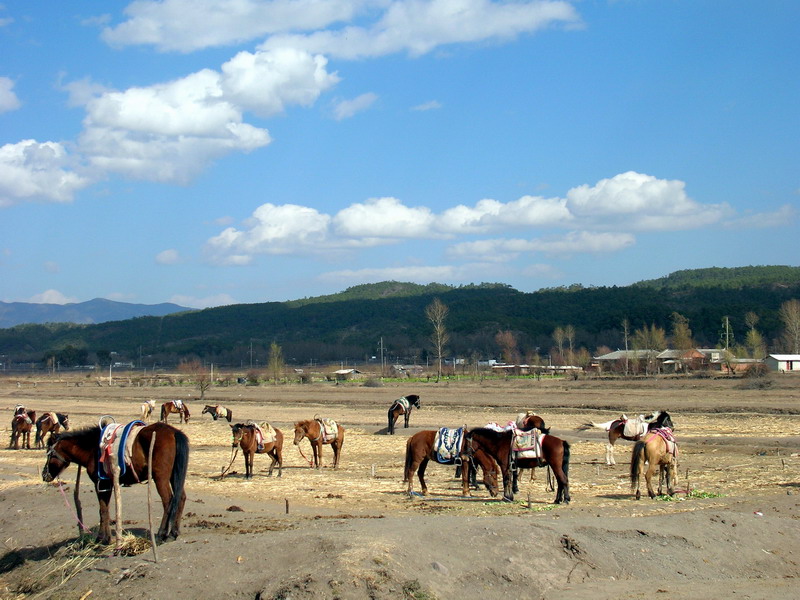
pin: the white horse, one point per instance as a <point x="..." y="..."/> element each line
<point x="147" y="409"/>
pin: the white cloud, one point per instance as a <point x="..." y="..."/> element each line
<point x="188" y="25"/>
<point x="574" y="242"/>
<point x="34" y="171"/>
<point x="168" y="257"/>
<point x="348" y="108"/>
<point x="489" y="215"/>
<point x="8" y="99"/>
<point x="206" y="302"/>
<point x="783" y="215"/>
<point x="418" y="26"/>
<point x="383" y="218"/>
<point x="430" y="105"/>
<point x="52" y="297"/>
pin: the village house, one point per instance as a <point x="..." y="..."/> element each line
<point x="783" y="363"/>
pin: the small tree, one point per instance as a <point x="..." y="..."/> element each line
<point x="559" y="337"/>
<point x="199" y="373"/>
<point x="569" y="337"/>
<point x="508" y="346"/>
<point x="275" y="361"/>
<point x="436" y="312"/>
<point x="790" y="315"/>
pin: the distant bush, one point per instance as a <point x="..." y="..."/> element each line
<point x="756" y="371"/>
<point x="373" y="382"/>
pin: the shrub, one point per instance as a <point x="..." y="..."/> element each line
<point x="757" y="371"/>
<point x="373" y="382"/>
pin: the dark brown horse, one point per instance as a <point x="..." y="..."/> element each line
<point x="319" y="432"/>
<point x="658" y="449"/>
<point x="247" y="438"/>
<point x="402" y="406"/>
<point x="218" y="412"/>
<point x="497" y="444"/>
<point x="420" y="450"/>
<point x="175" y="406"/>
<point x="616" y="429"/>
<point x="51" y="423"/>
<point x="170" y="461"/>
<point x="21" y="427"/>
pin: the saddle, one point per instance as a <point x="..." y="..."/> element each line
<point x="221" y="411"/>
<point x="265" y="434"/>
<point x="666" y="434"/>
<point x="402" y="403"/>
<point x="527" y="444"/>
<point x="117" y="439"/>
<point x="447" y="445"/>
<point x="178" y="404"/>
<point x="329" y="430"/>
<point x="634" y="428"/>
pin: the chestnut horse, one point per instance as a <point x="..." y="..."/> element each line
<point x="217" y="412"/>
<point x="318" y="434"/>
<point x="170" y="462"/>
<point x="402" y="406"/>
<point x="246" y="437"/>
<point x="658" y="449"/>
<point x="616" y="429"/>
<point x="420" y="450"/>
<point x="497" y="444"/>
<point x="47" y="424"/>
<point x="175" y="406"/>
<point x="21" y="427"/>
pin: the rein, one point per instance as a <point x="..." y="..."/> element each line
<point x="63" y="493"/>
<point x="310" y="463"/>
<point x="230" y="464"/>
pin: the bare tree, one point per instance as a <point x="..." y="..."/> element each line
<point x="437" y="312"/>
<point x="651" y="339"/>
<point x="569" y="335"/>
<point x="199" y="373"/>
<point x="559" y="338"/>
<point x="626" y="335"/>
<point x="753" y="340"/>
<point x="508" y="346"/>
<point x="790" y="315"/>
<point x="275" y="361"/>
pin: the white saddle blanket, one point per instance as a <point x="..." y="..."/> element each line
<point x="635" y="428"/>
<point x="330" y="430"/>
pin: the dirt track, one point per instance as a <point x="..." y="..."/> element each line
<point x="355" y="533"/>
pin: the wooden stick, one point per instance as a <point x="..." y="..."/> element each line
<point x="117" y="500"/>
<point x="78" y="506"/>
<point x="149" y="488"/>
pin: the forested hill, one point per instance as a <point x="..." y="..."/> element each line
<point x="337" y="328"/>
<point x="734" y="277"/>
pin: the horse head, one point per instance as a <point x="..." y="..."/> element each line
<point x="207" y="409"/>
<point x="414" y="400"/>
<point x="238" y="432"/>
<point x="64" y="420"/>
<point x="55" y="461"/>
<point x="664" y="420"/>
<point x="300" y="431"/>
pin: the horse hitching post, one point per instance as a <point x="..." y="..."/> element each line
<point x="149" y="488"/>
<point x="117" y="500"/>
<point x="78" y="506"/>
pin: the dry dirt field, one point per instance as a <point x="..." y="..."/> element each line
<point x="733" y="530"/>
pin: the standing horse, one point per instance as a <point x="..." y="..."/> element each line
<point x="169" y="467"/>
<point x="319" y="432"/>
<point x="51" y="423"/>
<point x="147" y="409"/>
<point x="247" y="436"/>
<point x="21" y="427"/>
<point x="658" y="449"/>
<point x="497" y="444"/>
<point x="420" y="450"/>
<point x="402" y="406"/>
<point x="616" y="429"/>
<point x="218" y="412"/>
<point x="175" y="406"/>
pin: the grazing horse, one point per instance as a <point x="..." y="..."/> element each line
<point x="402" y="406"/>
<point x="629" y="429"/>
<point x="420" y="449"/>
<point x="497" y="444"/>
<point x="252" y="439"/>
<point x="175" y="406"/>
<point x="658" y="449"/>
<point x="218" y="412"/>
<point x="148" y="406"/>
<point x="319" y="432"/>
<point x="51" y="423"/>
<point x="169" y="467"/>
<point x="21" y="426"/>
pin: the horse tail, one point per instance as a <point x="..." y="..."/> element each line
<point x="230" y="415"/>
<point x="180" y="468"/>
<point x="565" y="460"/>
<point x="409" y="460"/>
<point x="636" y="459"/>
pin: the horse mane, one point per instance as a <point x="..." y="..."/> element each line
<point x="86" y="434"/>
<point x="489" y="433"/>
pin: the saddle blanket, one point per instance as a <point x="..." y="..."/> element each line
<point x="447" y="444"/>
<point x="265" y="434"/>
<point x="178" y="404"/>
<point x="527" y="444"/>
<point x="330" y="430"/>
<point x="52" y="416"/>
<point x="221" y="411"/>
<point x="634" y="428"/>
<point x="666" y="434"/>
<point x="117" y="439"/>
<point x="499" y="428"/>
<point x="402" y="403"/>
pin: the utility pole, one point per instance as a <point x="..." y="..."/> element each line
<point x="383" y="363"/>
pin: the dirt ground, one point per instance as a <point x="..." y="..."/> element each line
<point x="732" y="530"/>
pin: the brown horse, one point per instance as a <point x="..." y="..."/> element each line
<point x="420" y="450"/>
<point x="170" y="461"/>
<point x="218" y="411"/>
<point x="175" y="406"/>
<point x="21" y="427"/>
<point x="616" y="429"/>
<point x="402" y="406"/>
<point x="318" y="433"/>
<point x="497" y="444"/>
<point x="246" y="437"/>
<point x="51" y="423"/>
<point x="658" y="449"/>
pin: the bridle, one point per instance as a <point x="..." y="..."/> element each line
<point x="53" y="453"/>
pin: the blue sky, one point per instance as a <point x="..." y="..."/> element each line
<point x="233" y="151"/>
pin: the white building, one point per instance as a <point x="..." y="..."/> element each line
<point x="783" y="362"/>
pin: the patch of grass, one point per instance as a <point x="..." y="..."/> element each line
<point x="412" y="590"/>
<point x="691" y="494"/>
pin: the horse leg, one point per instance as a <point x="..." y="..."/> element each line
<point x="317" y="447"/>
<point x="465" y="476"/>
<point x="248" y="462"/>
<point x="274" y="460"/>
<point x="392" y="417"/>
<point x="104" y="533"/>
<point x="671" y="476"/>
<point x="421" y="474"/>
<point x="406" y="417"/>
<point x="165" y="492"/>
<point x="648" y="477"/>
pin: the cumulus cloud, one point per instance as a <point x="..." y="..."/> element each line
<point x="8" y="99"/>
<point x="52" y="297"/>
<point x="383" y="218"/>
<point x="168" y="257"/>
<point x="30" y="170"/>
<point x="418" y="27"/>
<point x="348" y="108"/>
<point x="574" y="242"/>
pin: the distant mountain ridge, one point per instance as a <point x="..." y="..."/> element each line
<point x="90" y="312"/>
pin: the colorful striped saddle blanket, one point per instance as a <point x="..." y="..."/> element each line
<point x="666" y="434"/>
<point x="117" y="439"/>
<point x="402" y="403"/>
<point x="447" y="445"/>
<point x="527" y="444"/>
